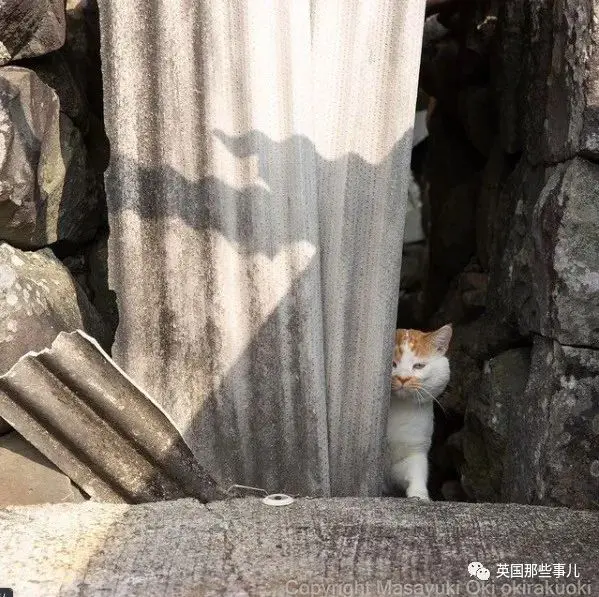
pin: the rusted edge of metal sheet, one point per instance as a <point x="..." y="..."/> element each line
<point x="83" y="412"/>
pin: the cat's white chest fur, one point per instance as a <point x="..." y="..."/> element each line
<point x="409" y="433"/>
<point x="409" y="427"/>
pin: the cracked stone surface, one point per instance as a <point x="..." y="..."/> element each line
<point x="548" y="276"/>
<point x="486" y="434"/>
<point x="549" y="89"/>
<point x="552" y="452"/>
<point x="47" y="191"/>
<point x="31" y="28"/>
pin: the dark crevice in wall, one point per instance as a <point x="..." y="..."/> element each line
<point x="509" y="181"/>
<point x="461" y="169"/>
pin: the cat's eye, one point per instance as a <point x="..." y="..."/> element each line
<point x="394" y="363"/>
<point x="419" y="365"/>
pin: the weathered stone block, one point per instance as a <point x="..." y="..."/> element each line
<point x="465" y="378"/>
<point x="472" y="344"/>
<point x="39" y="299"/>
<point x="550" y="67"/>
<point x="508" y="77"/>
<point x="510" y="291"/>
<point x="548" y="274"/>
<point x="552" y="454"/>
<point x="30" y="28"/>
<point x="44" y="181"/>
<point x="55" y="71"/>
<point x="485" y="432"/>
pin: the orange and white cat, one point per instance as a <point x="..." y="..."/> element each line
<point x="420" y="373"/>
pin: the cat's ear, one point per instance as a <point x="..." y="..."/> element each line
<point x="441" y="339"/>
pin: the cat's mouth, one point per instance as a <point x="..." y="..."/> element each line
<point x="407" y="384"/>
<point x="412" y="390"/>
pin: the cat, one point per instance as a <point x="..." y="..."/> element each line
<point x="420" y="372"/>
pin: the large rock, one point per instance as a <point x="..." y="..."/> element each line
<point x="28" y="477"/>
<point x="39" y="299"/>
<point x="55" y="71"/>
<point x="550" y="65"/>
<point x="311" y="547"/>
<point x="30" y="28"/>
<point x="548" y="274"/>
<point x="565" y="227"/>
<point x="44" y="181"/>
<point x="471" y="345"/>
<point x="553" y="438"/>
<point x="465" y="380"/>
<point x="508" y="253"/>
<point x="485" y="434"/>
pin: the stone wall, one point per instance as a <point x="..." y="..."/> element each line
<point x="513" y="193"/>
<point x="53" y="149"/>
<point x="53" y="225"/>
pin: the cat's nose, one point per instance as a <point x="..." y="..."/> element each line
<point x="402" y="380"/>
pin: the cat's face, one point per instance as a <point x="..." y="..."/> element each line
<point x="420" y="368"/>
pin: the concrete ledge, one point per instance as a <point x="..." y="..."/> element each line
<point x="243" y="547"/>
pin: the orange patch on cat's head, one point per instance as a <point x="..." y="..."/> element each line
<point x="422" y="344"/>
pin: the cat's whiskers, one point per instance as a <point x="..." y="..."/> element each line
<point x="418" y="396"/>
<point x="433" y="398"/>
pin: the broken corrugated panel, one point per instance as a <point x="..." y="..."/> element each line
<point x="86" y="416"/>
<point x="259" y="154"/>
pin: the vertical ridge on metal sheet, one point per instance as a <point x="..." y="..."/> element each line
<point x="366" y="59"/>
<point x="214" y="252"/>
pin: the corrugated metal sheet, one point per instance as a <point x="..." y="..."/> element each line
<point x="86" y="416"/>
<point x="256" y="200"/>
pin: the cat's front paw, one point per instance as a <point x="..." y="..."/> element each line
<point x="419" y="494"/>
